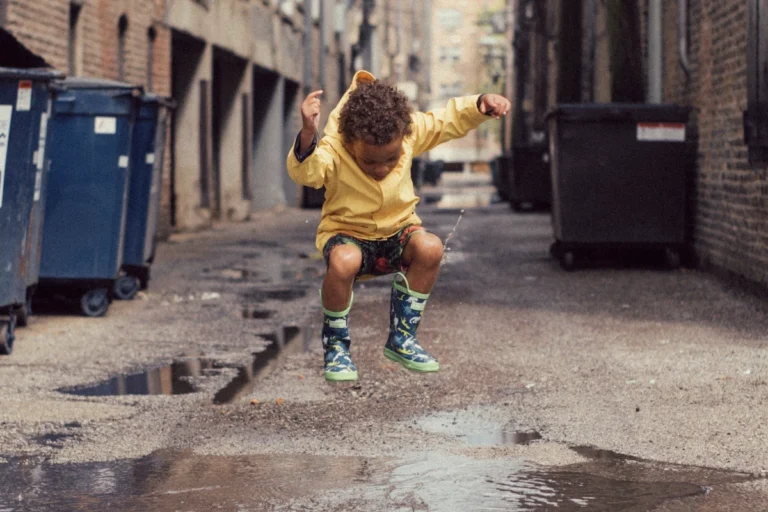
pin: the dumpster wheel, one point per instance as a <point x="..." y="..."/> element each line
<point x="126" y="287"/>
<point x="568" y="260"/>
<point x="7" y="335"/>
<point x="94" y="303"/>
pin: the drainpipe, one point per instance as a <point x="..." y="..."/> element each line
<point x="307" y="71"/>
<point x="682" y="37"/>
<point x="654" y="51"/>
<point x="323" y="48"/>
<point x="588" y="94"/>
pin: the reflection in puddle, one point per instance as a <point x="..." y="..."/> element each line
<point x="175" y="379"/>
<point x="283" y="294"/>
<point x="474" y="430"/>
<point x="164" y="480"/>
<point x="172" y="379"/>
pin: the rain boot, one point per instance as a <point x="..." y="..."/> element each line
<point x="406" y="310"/>
<point x="338" y="360"/>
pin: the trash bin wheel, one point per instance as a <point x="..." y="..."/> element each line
<point x="95" y="303"/>
<point x="568" y="260"/>
<point x="24" y="312"/>
<point x="7" y="335"/>
<point x="126" y="287"/>
<point x="672" y="258"/>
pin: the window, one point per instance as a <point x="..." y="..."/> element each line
<point x="122" y="33"/>
<point x="75" y="50"/>
<point x="151" y="36"/>
<point x="449" y="18"/>
<point x="450" y="53"/>
<point x="756" y="115"/>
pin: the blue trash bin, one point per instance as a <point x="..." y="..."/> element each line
<point x="147" y="152"/>
<point x="24" y="110"/>
<point x="90" y="131"/>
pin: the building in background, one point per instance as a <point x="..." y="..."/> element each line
<point x="238" y="70"/>
<point x="468" y="53"/>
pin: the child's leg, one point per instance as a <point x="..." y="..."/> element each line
<point x="422" y="256"/>
<point x="344" y="263"/>
<point x="344" y="259"/>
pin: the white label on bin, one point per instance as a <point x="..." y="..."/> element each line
<point x="5" y="133"/>
<point x="105" y="125"/>
<point x="40" y="154"/>
<point x="123" y="161"/>
<point x="661" y="132"/>
<point x="150" y="158"/>
<point x="24" y="96"/>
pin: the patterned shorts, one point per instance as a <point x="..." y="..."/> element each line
<point x="380" y="257"/>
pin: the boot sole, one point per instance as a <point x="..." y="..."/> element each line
<point x="410" y="365"/>
<point x="340" y="376"/>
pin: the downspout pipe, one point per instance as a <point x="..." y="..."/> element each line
<point x="682" y="37"/>
<point x="655" y="43"/>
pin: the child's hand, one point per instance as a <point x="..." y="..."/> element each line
<point x="494" y="105"/>
<point x="310" y="112"/>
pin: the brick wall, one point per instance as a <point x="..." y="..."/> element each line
<point x="729" y="204"/>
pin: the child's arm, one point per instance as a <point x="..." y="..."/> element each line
<point x="458" y="118"/>
<point x="309" y="160"/>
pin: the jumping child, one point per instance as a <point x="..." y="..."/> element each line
<point x="369" y="225"/>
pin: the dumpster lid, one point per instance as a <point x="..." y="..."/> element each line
<point x="621" y="112"/>
<point x="95" y="83"/>
<point x="40" y="74"/>
<point x="165" y="101"/>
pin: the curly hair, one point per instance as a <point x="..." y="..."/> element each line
<point x="376" y="114"/>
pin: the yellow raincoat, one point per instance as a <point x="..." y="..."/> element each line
<point x="358" y="205"/>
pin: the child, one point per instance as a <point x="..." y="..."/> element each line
<point x="369" y="225"/>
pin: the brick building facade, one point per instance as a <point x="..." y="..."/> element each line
<point x="730" y="200"/>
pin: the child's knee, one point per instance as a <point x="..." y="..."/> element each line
<point x="428" y="249"/>
<point x="344" y="261"/>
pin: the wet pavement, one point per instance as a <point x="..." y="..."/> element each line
<point x="622" y="386"/>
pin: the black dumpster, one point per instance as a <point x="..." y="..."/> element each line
<point x="619" y="178"/>
<point x="529" y="181"/>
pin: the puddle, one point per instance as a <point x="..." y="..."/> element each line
<point x="175" y="379"/>
<point x="474" y="430"/>
<point x="259" y="314"/>
<point x="170" y="481"/>
<point x="283" y="294"/>
<point x="172" y="379"/>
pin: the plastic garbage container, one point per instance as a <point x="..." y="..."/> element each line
<point x="145" y="184"/>
<point x="619" y="178"/>
<point x="24" y="108"/>
<point x="529" y="180"/>
<point x="90" y="131"/>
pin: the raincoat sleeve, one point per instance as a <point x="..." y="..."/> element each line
<point x="458" y="118"/>
<point x="312" y="168"/>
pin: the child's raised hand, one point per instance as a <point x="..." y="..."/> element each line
<point x="310" y="111"/>
<point x="494" y="105"/>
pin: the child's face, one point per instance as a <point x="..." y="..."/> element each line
<point x="376" y="161"/>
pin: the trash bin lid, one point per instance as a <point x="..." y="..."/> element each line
<point x="40" y="74"/>
<point x="95" y="83"/>
<point x="621" y="112"/>
<point x="152" y="98"/>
